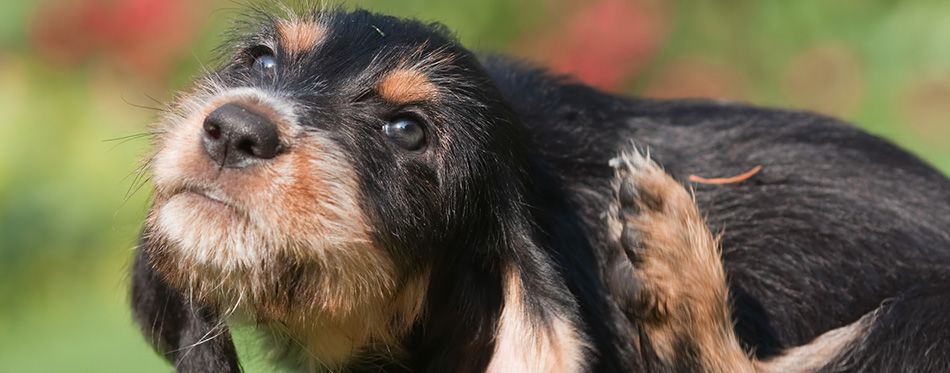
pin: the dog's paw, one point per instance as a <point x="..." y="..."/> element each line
<point x="664" y="269"/>
<point x="656" y="224"/>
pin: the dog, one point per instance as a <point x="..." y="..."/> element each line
<point x="371" y="196"/>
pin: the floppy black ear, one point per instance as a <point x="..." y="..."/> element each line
<point x="174" y="327"/>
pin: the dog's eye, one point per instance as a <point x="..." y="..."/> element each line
<point x="265" y="63"/>
<point x="262" y="59"/>
<point x="406" y="132"/>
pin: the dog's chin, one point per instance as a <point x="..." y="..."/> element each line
<point x="331" y="300"/>
<point x="209" y="250"/>
<point x="209" y="231"/>
<point x="212" y="250"/>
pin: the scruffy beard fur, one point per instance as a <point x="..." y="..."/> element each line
<point x="283" y="245"/>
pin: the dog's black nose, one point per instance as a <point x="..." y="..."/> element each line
<point x="235" y="136"/>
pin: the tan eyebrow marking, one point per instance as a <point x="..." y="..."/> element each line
<point x="403" y="86"/>
<point x="298" y="36"/>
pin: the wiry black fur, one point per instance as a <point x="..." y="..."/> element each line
<point x="911" y="334"/>
<point x="186" y="334"/>
<point x="837" y="222"/>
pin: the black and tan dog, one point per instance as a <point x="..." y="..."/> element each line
<point x="372" y="196"/>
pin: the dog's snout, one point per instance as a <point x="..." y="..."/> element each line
<point x="235" y="136"/>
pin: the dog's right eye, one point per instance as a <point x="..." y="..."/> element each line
<point x="261" y="58"/>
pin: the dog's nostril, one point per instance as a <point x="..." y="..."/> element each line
<point x="263" y="143"/>
<point x="235" y="136"/>
<point x="213" y="130"/>
<point x="246" y="146"/>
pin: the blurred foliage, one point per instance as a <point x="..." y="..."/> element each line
<point x="73" y="74"/>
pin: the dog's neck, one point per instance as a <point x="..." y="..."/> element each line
<point x="535" y="334"/>
<point x="539" y="328"/>
<point x="507" y="308"/>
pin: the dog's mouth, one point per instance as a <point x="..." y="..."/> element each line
<point x="207" y="200"/>
<point x="205" y="196"/>
<point x="189" y="210"/>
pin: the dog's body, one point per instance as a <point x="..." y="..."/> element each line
<point x="487" y="246"/>
<point x="835" y="223"/>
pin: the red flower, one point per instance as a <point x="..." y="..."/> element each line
<point x="144" y="36"/>
<point x="605" y="42"/>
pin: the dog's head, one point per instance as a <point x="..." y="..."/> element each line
<point x="315" y="177"/>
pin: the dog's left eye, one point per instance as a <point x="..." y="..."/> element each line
<point x="406" y="132"/>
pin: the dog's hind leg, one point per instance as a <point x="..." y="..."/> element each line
<point x="669" y="278"/>
<point x="666" y="273"/>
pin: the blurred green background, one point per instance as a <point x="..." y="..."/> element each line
<point x="74" y="73"/>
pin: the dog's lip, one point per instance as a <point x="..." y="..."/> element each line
<point x="205" y="194"/>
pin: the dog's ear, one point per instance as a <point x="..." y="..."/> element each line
<point x="190" y="337"/>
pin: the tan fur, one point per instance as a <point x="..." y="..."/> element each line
<point x="525" y="345"/>
<point x="817" y="353"/>
<point x="405" y="86"/>
<point x="684" y="293"/>
<point x="283" y="243"/>
<point x="683" y="283"/>
<point x="300" y="36"/>
<point x="335" y="339"/>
